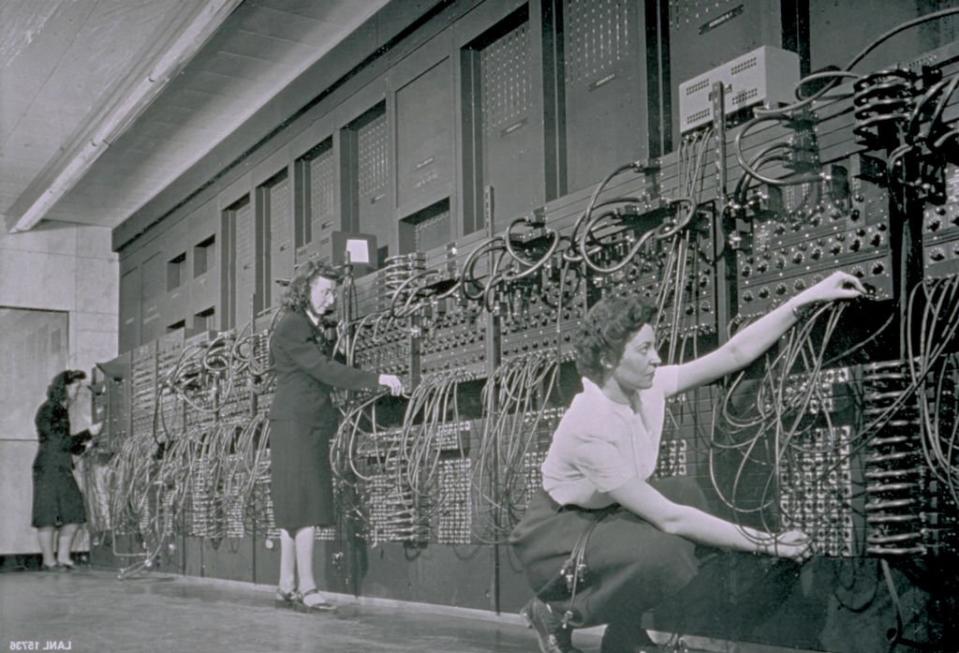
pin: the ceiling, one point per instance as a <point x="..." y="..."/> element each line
<point x="103" y="103"/>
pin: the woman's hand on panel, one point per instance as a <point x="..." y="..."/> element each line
<point x="392" y="382"/>
<point x="838" y="285"/>
<point x="793" y="544"/>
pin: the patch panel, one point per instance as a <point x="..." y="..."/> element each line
<point x="453" y="338"/>
<point x="816" y="491"/>
<point x="453" y="517"/>
<point x="540" y="314"/>
<point x="386" y="350"/>
<point x="652" y="275"/>
<point x="940" y="233"/>
<point x="673" y="458"/>
<point x="800" y="235"/>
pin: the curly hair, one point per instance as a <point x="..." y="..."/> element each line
<point x="297" y="295"/>
<point x="57" y="390"/>
<point x="608" y="326"/>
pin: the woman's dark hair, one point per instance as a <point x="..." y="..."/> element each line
<point x="608" y="326"/>
<point x="297" y="295"/>
<point x="57" y="390"/>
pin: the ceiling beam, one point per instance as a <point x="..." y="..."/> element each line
<point x="69" y="170"/>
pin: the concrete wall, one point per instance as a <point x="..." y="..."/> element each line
<point x="56" y="267"/>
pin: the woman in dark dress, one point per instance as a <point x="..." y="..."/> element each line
<point x="57" y="502"/>
<point x="302" y="422"/>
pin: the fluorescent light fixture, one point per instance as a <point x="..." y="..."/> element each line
<point x="186" y="45"/>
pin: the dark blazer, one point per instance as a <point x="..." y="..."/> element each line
<point x="57" y="446"/>
<point x="305" y="372"/>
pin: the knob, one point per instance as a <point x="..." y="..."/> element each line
<point x="746" y="271"/>
<point x="934" y="224"/>
<point x="781" y="289"/>
<point x="799" y="284"/>
<point x="836" y="248"/>
<point x="858" y="272"/>
<point x="876" y="240"/>
<point x="747" y="296"/>
<point x="797" y="258"/>
<point x="815" y="254"/>
<point x="763" y="293"/>
<point x="937" y="254"/>
<point x="762" y="266"/>
<point x="855" y="245"/>
<point x="780" y="262"/>
<point x="878" y="268"/>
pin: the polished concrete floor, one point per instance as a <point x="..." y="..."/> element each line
<point x="91" y="611"/>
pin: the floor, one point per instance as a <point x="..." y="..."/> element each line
<point x="90" y="610"/>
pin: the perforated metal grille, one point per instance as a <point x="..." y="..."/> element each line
<point x="432" y="231"/>
<point x="372" y="157"/>
<point x="322" y="175"/>
<point x="505" y="79"/>
<point x="281" y="236"/>
<point x="597" y="36"/>
<point x="697" y="12"/>
<point x="280" y="210"/>
<point x="245" y="260"/>
<point x="453" y="519"/>
<point x="533" y="475"/>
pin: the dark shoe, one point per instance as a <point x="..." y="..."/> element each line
<point x="285" y="599"/>
<point x="552" y="636"/>
<point x="628" y="638"/>
<point x="322" y="606"/>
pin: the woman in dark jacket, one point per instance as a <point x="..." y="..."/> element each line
<point x="57" y="502"/>
<point x="302" y="421"/>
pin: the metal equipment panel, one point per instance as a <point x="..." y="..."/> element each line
<point x="605" y="87"/>
<point x="151" y="291"/>
<point x="425" y="229"/>
<point x="281" y="236"/>
<point x="372" y="163"/>
<point x="424" y="136"/>
<point x="505" y="148"/>
<point x="317" y="217"/>
<point x="244" y="259"/>
<point x="130" y="309"/>
<point x="839" y="30"/>
<point x="706" y="33"/>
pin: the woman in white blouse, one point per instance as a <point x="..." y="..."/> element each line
<point x="599" y="508"/>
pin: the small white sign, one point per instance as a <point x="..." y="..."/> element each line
<point x="358" y="249"/>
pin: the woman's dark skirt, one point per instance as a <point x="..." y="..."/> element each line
<point x="302" y="483"/>
<point x="56" y="498"/>
<point x="631" y="566"/>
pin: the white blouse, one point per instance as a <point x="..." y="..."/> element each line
<point x="600" y="444"/>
